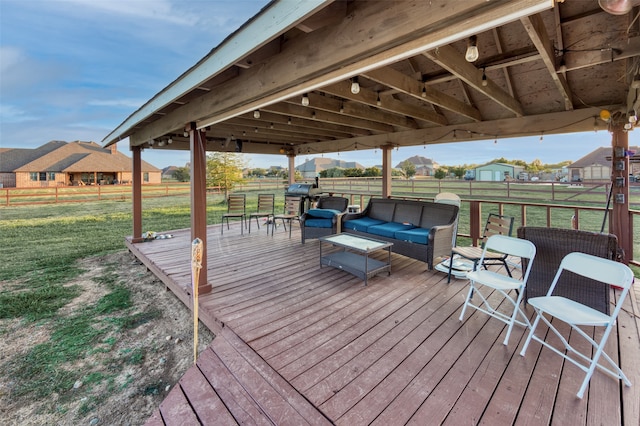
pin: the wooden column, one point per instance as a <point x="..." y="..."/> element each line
<point x="292" y="168"/>
<point x="475" y="222"/>
<point x="386" y="170"/>
<point x="198" y="145"/>
<point x="136" y="194"/>
<point x="619" y="220"/>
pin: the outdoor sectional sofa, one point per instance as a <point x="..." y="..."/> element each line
<point x="421" y="230"/>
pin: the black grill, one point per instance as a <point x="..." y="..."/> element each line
<point x="308" y="192"/>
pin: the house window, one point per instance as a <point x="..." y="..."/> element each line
<point x="33" y="176"/>
<point x="52" y="175"/>
<point x="43" y="176"/>
<point x="146" y="176"/>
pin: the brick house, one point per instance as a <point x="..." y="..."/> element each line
<point x="59" y="163"/>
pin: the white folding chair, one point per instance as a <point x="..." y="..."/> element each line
<point x="501" y="282"/>
<point x="575" y="314"/>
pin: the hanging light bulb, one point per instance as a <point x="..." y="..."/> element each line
<point x="341" y="108"/>
<point x="170" y="140"/>
<point x="541" y="136"/>
<point x="355" y="86"/>
<point x="305" y="100"/>
<point x="472" y="53"/>
<point x="484" y="78"/>
<point x="256" y="113"/>
<point x="289" y="121"/>
<point x="595" y="124"/>
<point x="633" y="118"/>
<point x="424" y="91"/>
<point x="378" y="101"/>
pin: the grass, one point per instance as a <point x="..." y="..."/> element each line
<point x="45" y="243"/>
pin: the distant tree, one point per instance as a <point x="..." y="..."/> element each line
<point x="257" y="172"/>
<point x="181" y="174"/>
<point x="224" y="169"/>
<point x="408" y="169"/>
<point x="372" y="172"/>
<point x="441" y="173"/>
<point x="458" y="171"/>
<point x="353" y="172"/>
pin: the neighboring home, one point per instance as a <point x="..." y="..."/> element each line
<point x="311" y="168"/>
<point x="424" y="166"/>
<point x="498" y="172"/>
<point x="59" y="163"/>
<point x="167" y="172"/>
<point x="597" y="165"/>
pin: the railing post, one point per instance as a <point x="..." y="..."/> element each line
<point x="475" y="213"/>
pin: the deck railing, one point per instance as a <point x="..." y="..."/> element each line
<point x="587" y="218"/>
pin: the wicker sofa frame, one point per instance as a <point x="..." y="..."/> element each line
<point x="439" y="218"/>
<point x="328" y="202"/>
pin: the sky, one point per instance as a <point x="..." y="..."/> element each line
<point x="76" y="69"/>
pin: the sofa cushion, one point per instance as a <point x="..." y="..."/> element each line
<point x="361" y="224"/>
<point x="388" y="229"/>
<point x="414" y="235"/>
<point x="312" y="222"/>
<point x="323" y="213"/>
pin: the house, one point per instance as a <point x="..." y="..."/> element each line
<point x="311" y="168"/>
<point x="498" y="172"/>
<point x="59" y="163"/>
<point x="424" y="166"/>
<point x="597" y="165"/>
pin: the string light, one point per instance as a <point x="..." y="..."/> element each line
<point x="289" y="121"/>
<point x="256" y="113"/>
<point x="355" y="86"/>
<point x="541" y="136"/>
<point x="305" y="100"/>
<point x="472" y="53"/>
<point x="378" y="102"/>
<point x="484" y="78"/>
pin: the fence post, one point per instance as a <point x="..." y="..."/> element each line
<point x="475" y="211"/>
<point x="56" y="195"/>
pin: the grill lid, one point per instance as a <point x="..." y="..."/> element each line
<point x="303" y="189"/>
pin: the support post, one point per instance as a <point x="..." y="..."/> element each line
<point x="292" y="168"/>
<point x="619" y="223"/>
<point x="136" y="193"/>
<point x="386" y="170"/>
<point x="198" y="147"/>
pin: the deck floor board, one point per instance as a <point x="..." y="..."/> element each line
<point x="297" y="343"/>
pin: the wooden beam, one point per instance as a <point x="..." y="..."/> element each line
<point x="399" y="110"/>
<point x="538" y="34"/>
<point x="403" y="83"/>
<point x="328" y="110"/>
<point x="453" y="61"/>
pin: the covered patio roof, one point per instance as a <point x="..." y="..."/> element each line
<point x="543" y="67"/>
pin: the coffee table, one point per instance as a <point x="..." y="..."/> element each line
<point x="354" y="256"/>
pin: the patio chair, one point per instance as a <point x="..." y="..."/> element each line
<point x="496" y="225"/>
<point x="450" y="198"/>
<point x="265" y="209"/>
<point x="291" y="213"/>
<point x="503" y="284"/>
<point x="236" y="209"/>
<point x="324" y="219"/>
<point x="553" y="245"/>
<point x="607" y="273"/>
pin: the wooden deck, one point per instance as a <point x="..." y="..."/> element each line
<point x="299" y="344"/>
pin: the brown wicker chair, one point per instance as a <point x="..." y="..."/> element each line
<point x="553" y="245"/>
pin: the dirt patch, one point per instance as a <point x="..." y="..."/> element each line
<point x="151" y="356"/>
